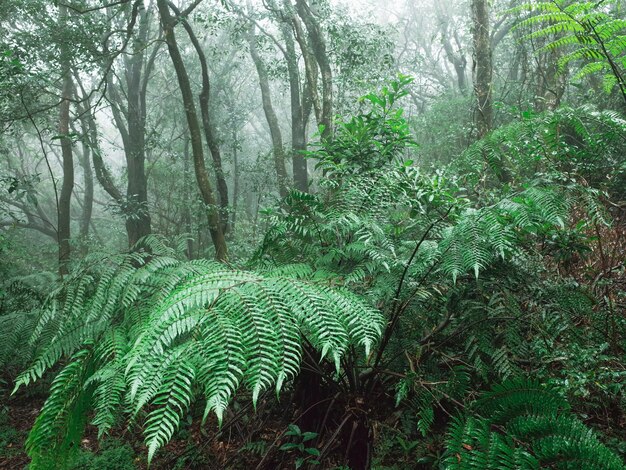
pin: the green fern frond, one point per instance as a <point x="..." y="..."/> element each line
<point x="586" y="31"/>
<point x="165" y="328"/>
<point x="521" y="424"/>
<point x="56" y="433"/>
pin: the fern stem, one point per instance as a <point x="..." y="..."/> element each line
<point x="396" y="312"/>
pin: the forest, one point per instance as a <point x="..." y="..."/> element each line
<point x="297" y="234"/>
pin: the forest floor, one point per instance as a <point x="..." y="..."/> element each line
<point x="17" y="416"/>
<point x="195" y="446"/>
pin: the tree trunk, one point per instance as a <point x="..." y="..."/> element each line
<point x="482" y="67"/>
<point x="65" y="198"/>
<point x="318" y="45"/>
<point x="236" y="171"/>
<point x="270" y="115"/>
<point x="129" y="112"/>
<point x="202" y="176"/>
<point x="298" y="117"/>
<point x="103" y="175"/>
<point x="456" y="58"/>
<point x="90" y="137"/>
<point x="207" y="124"/>
<point x="187" y="201"/>
<point x="310" y="98"/>
<point x="551" y="84"/>
<point x="138" y="221"/>
<point x="85" y="163"/>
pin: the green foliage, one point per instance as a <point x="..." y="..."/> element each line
<point x="365" y="233"/>
<point x="369" y="141"/>
<point x="469" y="272"/>
<point x="578" y="143"/>
<point x="148" y="330"/>
<point x="443" y="130"/>
<point x="307" y="454"/>
<point x="521" y="424"/>
<point x="590" y="32"/>
<point x="114" y="455"/>
<point x="363" y="51"/>
<point x="464" y="272"/>
<point x="20" y="300"/>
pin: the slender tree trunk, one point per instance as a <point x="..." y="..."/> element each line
<point x="551" y="84"/>
<point x="270" y="115"/>
<point x="202" y="176"/>
<point x="318" y="45"/>
<point x="138" y="220"/>
<point x="103" y="175"/>
<point x="214" y="148"/>
<point x="310" y="94"/>
<point x="298" y="118"/>
<point x="90" y="136"/>
<point x="129" y="112"/>
<point x="456" y="58"/>
<point x="236" y="175"/>
<point x="187" y="200"/>
<point x="88" y="182"/>
<point x="209" y="129"/>
<point x="482" y="67"/>
<point x="65" y="197"/>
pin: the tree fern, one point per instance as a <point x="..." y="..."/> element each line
<point x="158" y="330"/>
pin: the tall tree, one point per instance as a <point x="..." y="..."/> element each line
<point x="454" y="52"/>
<point x="168" y="23"/>
<point x="128" y="105"/>
<point x="270" y="114"/>
<point x="301" y="97"/>
<point x="483" y="69"/>
<point x="210" y="131"/>
<point x="87" y="170"/>
<point x="320" y="52"/>
<point x="300" y="91"/>
<point x="67" y="187"/>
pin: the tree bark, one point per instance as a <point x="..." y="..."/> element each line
<point x="236" y="176"/>
<point x="310" y="94"/>
<point x="138" y="221"/>
<point x="187" y="196"/>
<point x="457" y="59"/>
<point x="209" y="129"/>
<point x="551" y="84"/>
<point x="318" y="45"/>
<point x="299" y="111"/>
<point x="482" y="67"/>
<point x="65" y="197"/>
<point x="202" y="176"/>
<point x="85" y="163"/>
<point x="270" y="115"/>
<point x="129" y="113"/>
<point x="103" y="175"/>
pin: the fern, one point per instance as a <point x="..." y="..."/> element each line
<point x="165" y="330"/>
<point x="21" y="299"/>
<point x="590" y="31"/>
<point x="521" y="424"/>
<point x="56" y="432"/>
<point x="578" y="143"/>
